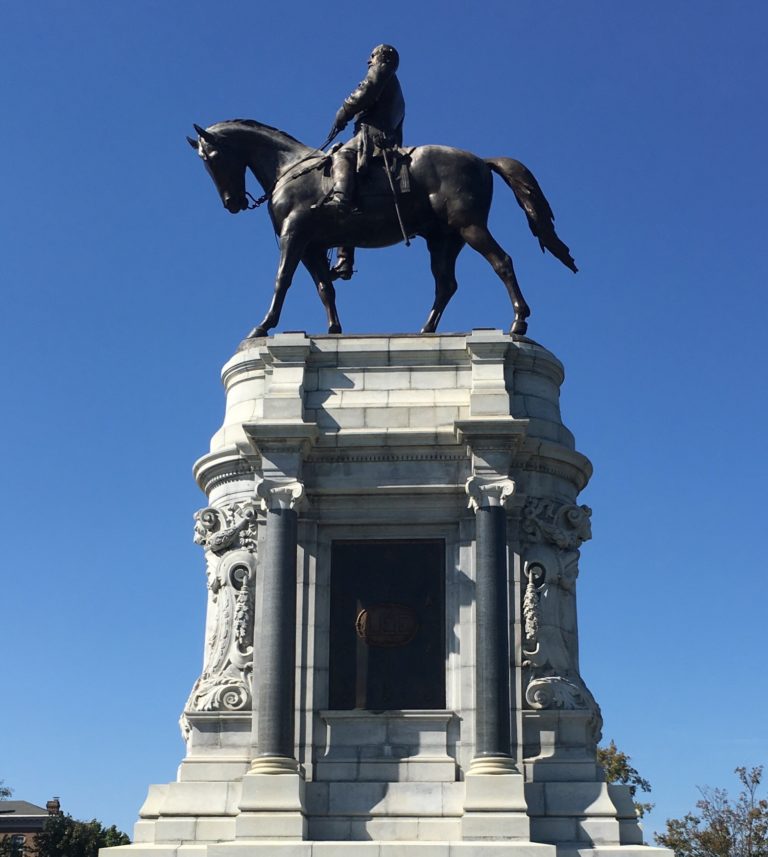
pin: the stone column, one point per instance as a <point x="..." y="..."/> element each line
<point x="494" y="800"/>
<point x="272" y="798"/>
<point x="277" y="640"/>
<point x="492" y="670"/>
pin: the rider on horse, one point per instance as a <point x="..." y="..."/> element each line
<point x="378" y="108"/>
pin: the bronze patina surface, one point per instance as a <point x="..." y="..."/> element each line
<point x="320" y="201"/>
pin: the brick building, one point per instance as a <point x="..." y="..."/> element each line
<point x="21" y="821"/>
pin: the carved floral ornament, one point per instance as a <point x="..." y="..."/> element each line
<point x="225" y="684"/>
<point x="229" y="536"/>
<point x="566" y="526"/>
<point x="226" y="528"/>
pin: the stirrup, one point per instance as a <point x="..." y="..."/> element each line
<point x="338" y="201"/>
<point x="342" y="270"/>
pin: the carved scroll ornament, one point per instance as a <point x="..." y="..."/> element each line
<point x="558" y="692"/>
<point x="225" y="683"/>
<point x="228" y="527"/>
<point x="229" y="536"/>
<point x="551" y="535"/>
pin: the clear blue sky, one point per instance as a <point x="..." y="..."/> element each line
<point x="126" y="286"/>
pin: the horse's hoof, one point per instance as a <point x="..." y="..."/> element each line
<point x="257" y="333"/>
<point x="334" y="328"/>
<point x="519" y="327"/>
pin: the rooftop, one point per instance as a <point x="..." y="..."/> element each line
<point x="18" y="808"/>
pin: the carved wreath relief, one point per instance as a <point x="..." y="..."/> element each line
<point x="228" y="535"/>
<point x="552" y="534"/>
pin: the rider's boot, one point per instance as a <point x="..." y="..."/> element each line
<point x="343" y="175"/>
<point x="345" y="263"/>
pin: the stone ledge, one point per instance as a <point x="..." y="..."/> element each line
<point x="403" y="848"/>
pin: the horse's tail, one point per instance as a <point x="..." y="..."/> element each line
<point x="531" y="199"/>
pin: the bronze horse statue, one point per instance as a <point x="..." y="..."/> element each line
<point x="447" y="204"/>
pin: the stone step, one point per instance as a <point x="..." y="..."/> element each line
<point x="281" y="848"/>
<point x="389" y="829"/>
<point x="371" y="800"/>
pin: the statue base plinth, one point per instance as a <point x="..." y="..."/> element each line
<point x="379" y="457"/>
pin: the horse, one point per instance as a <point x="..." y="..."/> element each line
<point x="447" y="204"/>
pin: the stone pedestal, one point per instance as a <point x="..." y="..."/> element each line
<point x="391" y="544"/>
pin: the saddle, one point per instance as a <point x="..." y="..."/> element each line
<point x="372" y="182"/>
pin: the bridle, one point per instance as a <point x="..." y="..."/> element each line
<point x="265" y="197"/>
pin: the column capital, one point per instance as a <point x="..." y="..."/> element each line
<point x="488" y="491"/>
<point x="280" y="494"/>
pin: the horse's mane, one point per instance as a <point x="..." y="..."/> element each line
<point x="223" y="127"/>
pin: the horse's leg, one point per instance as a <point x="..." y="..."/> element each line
<point x="316" y="263"/>
<point x="480" y="239"/>
<point x="291" y="249"/>
<point x="443" y="250"/>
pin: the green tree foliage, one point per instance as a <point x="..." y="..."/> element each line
<point x="618" y="770"/>
<point x="63" y="836"/>
<point x="723" y="826"/>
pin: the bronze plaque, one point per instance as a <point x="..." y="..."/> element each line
<point x="387" y="625"/>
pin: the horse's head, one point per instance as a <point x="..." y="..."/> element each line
<point x="225" y="165"/>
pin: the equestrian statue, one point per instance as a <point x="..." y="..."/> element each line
<point x="370" y="192"/>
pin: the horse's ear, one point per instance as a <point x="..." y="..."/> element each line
<point x="192" y="143"/>
<point x="209" y="138"/>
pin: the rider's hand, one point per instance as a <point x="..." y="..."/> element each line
<point x="339" y="123"/>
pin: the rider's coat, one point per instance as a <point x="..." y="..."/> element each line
<point x="378" y="107"/>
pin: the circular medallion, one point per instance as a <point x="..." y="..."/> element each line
<point x="387" y="625"/>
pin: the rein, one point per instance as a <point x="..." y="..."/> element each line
<point x="255" y="203"/>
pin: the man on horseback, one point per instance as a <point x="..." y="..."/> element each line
<point x="378" y="108"/>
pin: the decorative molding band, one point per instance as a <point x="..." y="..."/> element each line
<point x="494" y="433"/>
<point x="492" y="765"/>
<point x="244" y="475"/>
<point x="213" y="470"/>
<point x="268" y="436"/>
<point x="546" y="456"/>
<point x="240" y="365"/>
<point x="563" y="470"/>
<point x="344" y="458"/>
<point x="274" y="765"/>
